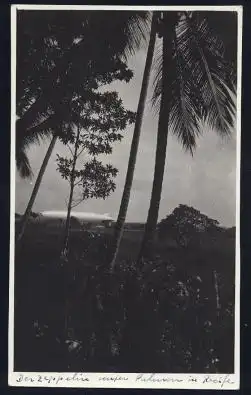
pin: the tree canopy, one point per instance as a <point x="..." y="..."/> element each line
<point x="96" y="123"/>
<point x="58" y="58"/>
<point x="186" y="224"/>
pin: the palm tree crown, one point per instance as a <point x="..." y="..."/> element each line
<point x="202" y="82"/>
<point x="194" y="84"/>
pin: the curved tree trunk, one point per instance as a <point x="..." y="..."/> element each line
<point x="160" y="156"/>
<point x="134" y="146"/>
<point x="30" y="204"/>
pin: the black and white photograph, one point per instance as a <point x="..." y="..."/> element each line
<point x="125" y="196"/>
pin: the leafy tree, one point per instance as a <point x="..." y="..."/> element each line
<point x="194" y="84"/>
<point x="186" y="224"/>
<point x="96" y="124"/>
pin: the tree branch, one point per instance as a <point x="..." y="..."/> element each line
<point x="78" y="155"/>
<point x="77" y="183"/>
<point x="76" y="203"/>
<point x="68" y="146"/>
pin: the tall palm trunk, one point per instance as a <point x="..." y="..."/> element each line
<point x="30" y="204"/>
<point x="160" y="156"/>
<point x="135" y="143"/>
<point x="72" y="178"/>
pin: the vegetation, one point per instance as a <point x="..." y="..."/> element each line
<point x="194" y="85"/>
<point x="55" y="44"/>
<point x="187" y="225"/>
<point x="52" y="49"/>
<point x="96" y="123"/>
<point x="138" y="319"/>
<point x="196" y="72"/>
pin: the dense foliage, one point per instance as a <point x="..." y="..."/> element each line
<point x="58" y="58"/>
<point x="187" y="225"/>
<point x="137" y="319"/>
<point x="96" y="123"/>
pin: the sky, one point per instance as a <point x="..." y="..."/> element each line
<point x="205" y="181"/>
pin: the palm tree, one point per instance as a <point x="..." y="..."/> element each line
<point x="38" y="104"/>
<point x="134" y="145"/>
<point x="197" y="85"/>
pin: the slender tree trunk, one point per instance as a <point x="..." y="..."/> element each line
<point x="28" y="210"/>
<point x="64" y="253"/>
<point x="67" y="223"/>
<point x="72" y="179"/>
<point x="160" y="157"/>
<point x="135" y="143"/>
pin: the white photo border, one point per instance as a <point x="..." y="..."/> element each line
<point x="123" y="380"/>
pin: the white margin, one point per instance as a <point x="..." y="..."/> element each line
<point x="238" y="191"/>
<point x="123" y="380"/>
<point x="12" y="192"/>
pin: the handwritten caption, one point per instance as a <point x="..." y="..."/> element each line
<point x="84" y="380"/>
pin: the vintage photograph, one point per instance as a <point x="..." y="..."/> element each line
<point x="126" y="183"/>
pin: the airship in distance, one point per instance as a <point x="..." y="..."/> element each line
<point x="76" y="216"/>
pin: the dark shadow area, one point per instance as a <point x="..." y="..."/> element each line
<point x="174" y="314"/>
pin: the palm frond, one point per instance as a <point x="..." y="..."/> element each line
<point x="23" y="164"/>
<point x="38" y="133"/>
<point x="184" y="99"/>
<point x="224" y="25"/>
<point x="37" y="110"/>
<point x="26" y="138"/>
<point x="212" y="74"/>
<point x="202" y="82"/>
<point x="184" y="115"/>
<point x="119" y="32"/>
<point x="137" y="31"/>
<point x="157" y="77"/>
